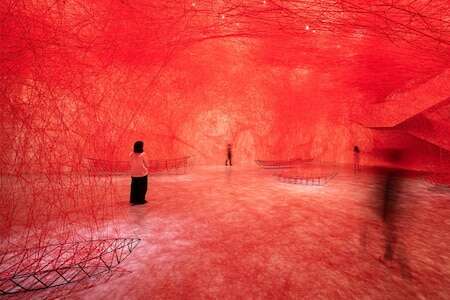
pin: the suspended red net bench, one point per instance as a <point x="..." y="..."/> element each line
<point x="439" y="173"/>
<point x="55" y="265"/>
<point x="439" y="178"/>
<point x="278" y="164"/>
<point x="107" y="166"/>
<point x="170" y="166"/>
<point x="314" y="175"/>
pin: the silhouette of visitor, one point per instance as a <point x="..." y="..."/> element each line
<point x="356" y="159"/>
<point x="389" y="209"/>
<point x="229" y="155"/>
<point x="139" y="174"/>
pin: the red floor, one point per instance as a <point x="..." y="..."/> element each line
<point x="238" y="233"/>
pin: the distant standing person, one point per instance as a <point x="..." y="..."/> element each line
<point x="139" y="174"/>
<point x="356" y="159"/>
<point x="229" y="155"/>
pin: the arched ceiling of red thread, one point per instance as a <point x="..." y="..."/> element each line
<point x="168" y="61"/>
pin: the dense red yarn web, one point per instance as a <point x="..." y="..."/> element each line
<point x="280" y="80"/>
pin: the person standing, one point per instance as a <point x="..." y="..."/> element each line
<point x="139" y="174"/>
<point x="229" y="155"/>
<point x="356" y="159"/>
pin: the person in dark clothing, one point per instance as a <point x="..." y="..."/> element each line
<point x="229" y="155"/>
<point x="389" y="208"/>
<point x="391" y="211"/>
<point x="356" y="159"/>
<point x="139" y="174"/>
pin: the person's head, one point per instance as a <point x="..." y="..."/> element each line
<point x="138" y="147"/>
<point x="229" y="145"/>
<point x="356" y="149"/>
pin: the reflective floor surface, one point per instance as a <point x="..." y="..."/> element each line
<point x="239" y="233"/>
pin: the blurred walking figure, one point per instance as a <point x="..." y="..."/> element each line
<point x="139" y="174"/>
<point x="392" y="179"/>
<point x="356" y="158"/>
<point x="229" y="155"/>
<point x="387" y="206"/>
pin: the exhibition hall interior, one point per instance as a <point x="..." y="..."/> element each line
<point x="225" y="149"/>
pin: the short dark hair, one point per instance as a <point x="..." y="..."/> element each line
<point x="138" y="147"/>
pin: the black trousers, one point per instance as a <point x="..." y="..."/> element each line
<point x="138" y="189"/>
<point x="228" y="161"/>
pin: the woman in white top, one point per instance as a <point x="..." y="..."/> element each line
<point x="139" y="174"/>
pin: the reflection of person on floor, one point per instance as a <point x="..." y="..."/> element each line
<point x="229" y="155"/>
<point x="356" y="158"/>
<point x="139" y="174"/>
